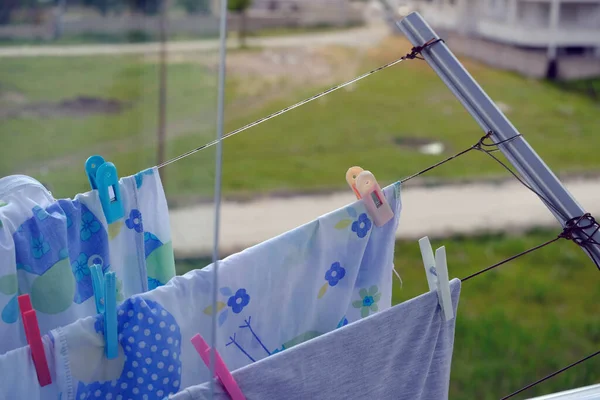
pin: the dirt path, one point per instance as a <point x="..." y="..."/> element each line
<point x="436" y="212"/>
<point x="352" y="37"/>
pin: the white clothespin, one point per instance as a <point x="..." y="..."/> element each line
<point x="436" y="270"/>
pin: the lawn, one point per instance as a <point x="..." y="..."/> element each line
<point x="53" y="147"/>
<point x="517" y="323"/>
<point x="309" y="148"/>
<point x="141" y="36"/>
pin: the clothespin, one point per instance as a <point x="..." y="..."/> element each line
<point x="436" y="270"/>
<point x="351" y="176"/>
<point x="377" y="206"/>
<point x="91" y="168"/>
<point x="221" y="371"/>
<point x="105" y="295"/>
<point x="34" y="339"/>
<point x="103" y="177"/>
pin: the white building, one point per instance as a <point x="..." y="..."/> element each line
<point x="561" y="27"/>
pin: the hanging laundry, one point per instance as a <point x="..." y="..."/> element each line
<point x="403" y="353"/>
<point x="48" y="245"/>
<point x="273" y="296"/>
<point x="19" y="380"/>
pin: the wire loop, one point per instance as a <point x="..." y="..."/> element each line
<point x="416" y="51"/>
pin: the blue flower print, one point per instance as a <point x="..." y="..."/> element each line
<point x="135" y="220"/>
<point x="153" y="283"/>
<point x="89" y="225"/>
<point x="39" y="247"/>
<point x="362" y="225"/>
<point x="335" y="274"/>
<point x="238" y="301"/>
<point x="40" y="213"/>
<point x="63" y="253"/>
<point x="139" y="177"/>
<point x="343" y="322"/>
<point x="368" y="301"/>
<point x="80" y="267"/>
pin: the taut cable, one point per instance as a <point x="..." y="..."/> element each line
<point x="415" y="51"/>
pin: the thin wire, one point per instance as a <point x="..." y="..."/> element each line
<point x="397" y="275"/>
<point x="438" y="164"/>
<point x="480" y="147"/>
<point x="512" y="258"/>
<point x="571" y="224"/>
<point x="551" y="375"/>
<point x="514" y="174"/>
<point x="476" y="146"/>
<point x="280" y="112"/>
<point x="218" y="169"/>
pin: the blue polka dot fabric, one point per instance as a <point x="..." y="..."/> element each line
<point x="151" y="340"/>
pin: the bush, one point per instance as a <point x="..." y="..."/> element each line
<point x="138" y="36"/>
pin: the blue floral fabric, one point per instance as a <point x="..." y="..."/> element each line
<point x="48" y="245"/>
<point x="271" y="297"/>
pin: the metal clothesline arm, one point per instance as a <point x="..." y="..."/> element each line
<point x="485" y="112"/>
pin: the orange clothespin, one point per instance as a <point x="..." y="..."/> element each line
<point x="351" y="176"/>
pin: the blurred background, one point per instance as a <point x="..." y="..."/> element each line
<point x="136" y="81"/>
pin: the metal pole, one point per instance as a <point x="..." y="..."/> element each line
<point x="218" y="176"/>
<point x="162" y="91"/>
<point x="518" y="152"/>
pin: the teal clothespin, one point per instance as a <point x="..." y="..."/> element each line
<point x="91" y="167"/>
<point x="103" y="177"/>
<point x="105" y="295"/>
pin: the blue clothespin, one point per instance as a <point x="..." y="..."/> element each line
<point x="91" y="167"/>
<point x="104" y="178"/>
<point x="105" y="295"/>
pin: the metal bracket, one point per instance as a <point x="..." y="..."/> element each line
<point x="485" y="112"/>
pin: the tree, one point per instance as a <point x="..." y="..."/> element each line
<point x="33" y="7"/>
<point x="148" y="7"/>
<point x="240" y="7"/>
<point x="104" y="6"/>
<point x="6" y="9"/>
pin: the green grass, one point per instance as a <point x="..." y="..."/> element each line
<point x="300" y="30"/>
<point x="132" y="36"/>
<point x="308" y="148"/>
<point x="140" y="36"/>
<point x="517" y="323"/>
<point x="33" y="142"/>
<point x="312" y="147"/>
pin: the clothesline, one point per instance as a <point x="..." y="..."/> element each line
<point x="567" y="232"/>
<point x="414" y="54"/>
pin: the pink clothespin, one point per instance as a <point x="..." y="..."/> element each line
<point x="34" y="338"/>
<point x="351" y="176"/>
<point x="221" y="371"/>
<point x="372" y="195"/>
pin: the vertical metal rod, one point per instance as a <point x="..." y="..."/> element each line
<point x="162" y="91"/>
<point x="485" y="112"/>
<point x="218" y="170"/>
